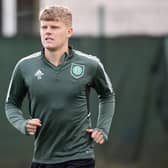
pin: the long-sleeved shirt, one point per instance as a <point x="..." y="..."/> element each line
<point x="59" y="97"/>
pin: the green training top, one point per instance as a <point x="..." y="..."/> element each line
<point x="59" y="97"/>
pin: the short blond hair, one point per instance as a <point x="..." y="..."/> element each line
<point x="56" y="13"/>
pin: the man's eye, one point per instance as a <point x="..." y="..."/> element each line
<point x="44" y="27"/>
<point x="55" y="27"/>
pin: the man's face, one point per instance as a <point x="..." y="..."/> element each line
<point x="54" y="34"/>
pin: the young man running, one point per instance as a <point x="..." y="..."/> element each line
<point x="57" y="81"/>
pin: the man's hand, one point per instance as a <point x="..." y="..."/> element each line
<point x="96" y="135"/>
<point x="32" y="125"/>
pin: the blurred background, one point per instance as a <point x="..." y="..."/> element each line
<point x="130" y="38"/>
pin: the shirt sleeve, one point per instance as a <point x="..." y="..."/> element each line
<point x="16" y="93"/>
<point x="103" y="87"/>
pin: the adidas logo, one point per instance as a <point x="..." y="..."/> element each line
<point x="38" y="74"/>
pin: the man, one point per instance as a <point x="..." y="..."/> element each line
<point x="57" y="81"/>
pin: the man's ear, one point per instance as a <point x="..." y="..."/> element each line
<point x="70" y="32"/>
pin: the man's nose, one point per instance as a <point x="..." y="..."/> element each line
<point x="48" y="30"/>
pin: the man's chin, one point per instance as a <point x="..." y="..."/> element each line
<point x="51" y="48"/>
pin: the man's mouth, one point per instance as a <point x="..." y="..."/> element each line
<point x="49" y="39"/>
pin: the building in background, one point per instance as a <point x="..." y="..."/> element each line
<point x="90" y="18"/>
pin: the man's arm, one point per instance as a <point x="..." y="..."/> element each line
<point x="16" y="93"/>
<point x="103" y="87"/>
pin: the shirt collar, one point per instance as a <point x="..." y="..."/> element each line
<point x="69" y="55"/>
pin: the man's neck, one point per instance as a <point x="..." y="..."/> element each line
<point x="54" y="56"/>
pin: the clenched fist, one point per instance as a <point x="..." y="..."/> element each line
<point x="32" y="125"/>
<point x="96" y="135"/>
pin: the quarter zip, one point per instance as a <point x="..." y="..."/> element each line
<point x="64" y="60"/>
